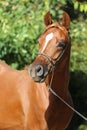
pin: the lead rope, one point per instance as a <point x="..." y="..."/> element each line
<point x="55" y="94"/>
<point x="52" y="91"/>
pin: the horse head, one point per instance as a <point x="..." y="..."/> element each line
<point x="52" y="44"/>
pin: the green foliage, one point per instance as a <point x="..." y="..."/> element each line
<point x="82" y="6"/>
<point x="79" y="46"/>
<point x="83" y="127"/>
<point x="20" y="24"/>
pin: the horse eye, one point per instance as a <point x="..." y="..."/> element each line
<point x="61" y="45"/>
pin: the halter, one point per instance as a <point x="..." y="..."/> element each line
<point x="53" y="63"/>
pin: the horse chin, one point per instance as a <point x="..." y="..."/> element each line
<point x="42" y="80"/>
<point x="39" y="79"/>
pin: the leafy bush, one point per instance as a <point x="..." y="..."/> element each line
<point x="20" y="24"/>
<point x="79" y="46"/>
<point x="83" y="127"/>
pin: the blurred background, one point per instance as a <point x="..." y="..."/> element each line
<point x="21" y="24"/>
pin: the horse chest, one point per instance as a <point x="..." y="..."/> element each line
<point x="23" y="92"/>
<point x="46" y="114"/>
<point x="41" y="113"/>
<point x="38" y="97"/>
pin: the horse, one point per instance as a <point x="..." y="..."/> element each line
<point x="26" y="102"/>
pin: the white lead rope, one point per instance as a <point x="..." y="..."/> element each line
<point x="78" y="113"/>
<point x="54" y="93"/>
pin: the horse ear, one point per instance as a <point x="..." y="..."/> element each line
<point x="66" y="20"/>
<point x="47" y="19"/>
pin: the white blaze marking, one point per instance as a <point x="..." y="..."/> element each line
<point x="48" y="38"/>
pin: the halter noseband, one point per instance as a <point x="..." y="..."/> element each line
<point x="53" y="63"/>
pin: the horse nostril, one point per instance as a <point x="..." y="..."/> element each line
<point x="39" y="70"/>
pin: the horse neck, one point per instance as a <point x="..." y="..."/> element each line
<point x="61" y="75"/>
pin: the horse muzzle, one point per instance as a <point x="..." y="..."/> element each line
<point x="38" y="72"/>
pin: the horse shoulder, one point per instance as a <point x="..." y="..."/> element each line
<point x="14" y="97"/>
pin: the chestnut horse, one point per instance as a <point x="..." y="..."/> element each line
<point x="26" y="102"/>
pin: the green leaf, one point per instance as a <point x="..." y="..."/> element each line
<point x="85" y="7"/>
<point x="82" y="7"/>
<point x="76" y="5"/>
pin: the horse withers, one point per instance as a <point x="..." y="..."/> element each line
<point x="26" y="102"/>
